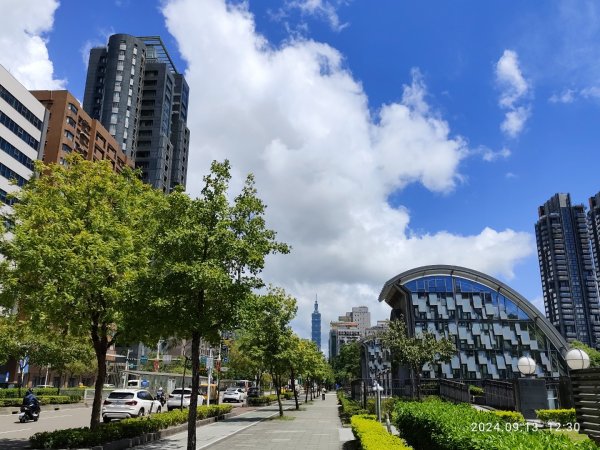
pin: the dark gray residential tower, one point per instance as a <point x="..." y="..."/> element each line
<point x="135" y="91"/>
<point x="594" y="231"/>
<point x="568" y="277"/>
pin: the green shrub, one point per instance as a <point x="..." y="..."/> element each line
<point x="373" y="436"/>
<point x="510" y="416"/>
<point x="438" y="425"/>
<point x="288" y="395"/>
<point x="44" y="400"/>
<point x="262" y="400"/>
<point x="562" y="416"/>
<point x="387" y="405"/>
<point x="349" y="408"/>
<point x="44" y="392"/>
<point x="476" y="390"/>
<point x="128" y="428"/>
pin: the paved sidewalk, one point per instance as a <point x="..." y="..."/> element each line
<point x="315" y="426"/>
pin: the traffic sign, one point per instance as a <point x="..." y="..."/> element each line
<point x="156" y="365"/>
<point x="145" y="383"/>
<point x="224" y="369"/>
<point x="209" y="363"/>
<point x="143" y="359"/>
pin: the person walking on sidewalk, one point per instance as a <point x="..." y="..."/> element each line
<point x="323" y="394"/>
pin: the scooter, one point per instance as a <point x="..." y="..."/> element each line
<point x="161" y="398"/>
<point x="29" y="413"/>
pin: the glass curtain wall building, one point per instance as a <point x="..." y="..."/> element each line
<point x="316" y="326"/>
<point x="491" y="325"/>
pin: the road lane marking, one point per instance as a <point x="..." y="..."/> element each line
<point x="56" y="417"/>
<point x="14" y="431"/>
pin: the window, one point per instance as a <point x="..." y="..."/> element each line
<point x="73" y="108"/>
<point x="69" y="135"/>
<point x="20" y="108"/>
<point x="114" y="119"/>
<point x="66" y="148"/>
<point x="71" y="122"/>
<point x="116" y="97"/>
<point x="112" y="130"/>
<point x="15" y="153"/>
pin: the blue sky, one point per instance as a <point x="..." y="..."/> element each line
<point x="377" y="131"/>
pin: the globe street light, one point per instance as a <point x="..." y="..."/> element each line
<point x="577" y="359"/>
<point x="526" y="365"/>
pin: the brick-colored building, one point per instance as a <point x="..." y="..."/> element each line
<point x="70" y="129"/>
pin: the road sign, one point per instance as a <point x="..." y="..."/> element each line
<point x="224" y="369"/>
<point x="167" y="359"/>
<point x="143" y="359"/>
<point x="225" y="360"/>
<point x="203" y="360"/>
<point x="145" y="383"/>
<point x="209" y="363"/>
<point x="156" y="365"/>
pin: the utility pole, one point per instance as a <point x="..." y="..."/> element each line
<point x="209" y="365"/>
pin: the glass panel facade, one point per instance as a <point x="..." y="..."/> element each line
<point x="489" y="330"/>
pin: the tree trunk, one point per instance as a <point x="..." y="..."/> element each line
<point x="278" y="390"/>
<point x="60" y="377"/>
<point x="191" y="441"/>
<point x="294" y="389"/>
<point x="306" y="391"/>
<point x="100" y="347"/>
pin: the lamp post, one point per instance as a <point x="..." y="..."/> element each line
<point x="577" y="359"/>
<point x="526" y="366"/>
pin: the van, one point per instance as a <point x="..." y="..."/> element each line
<point x="134" y="384"/>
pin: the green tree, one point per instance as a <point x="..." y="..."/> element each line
<point x="80" y="241"/>
<point x="269" y="336"/>
<point x="592" y="353"/>
<point x="207" y="258"/>
<point x="415" y="351"/>
<point x="346" y="365"/>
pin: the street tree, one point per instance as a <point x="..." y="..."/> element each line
<point x="415" y="351"/>
<point x="207" y="258"/>
<point x="346" y="365"/>
<point x="79" y="242"/>
<point x="269" y="337"/>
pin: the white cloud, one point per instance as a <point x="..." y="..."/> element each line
<point x="489" y="155"/>
<point x="567" y="96"/>
<point x="510" y="175"/>
<point x="23" y="28"/>
<point x="298" y="120"/>
<point x="514" y="88"/>
<point x="319" y="8"/>
<point x="103" y="36"/>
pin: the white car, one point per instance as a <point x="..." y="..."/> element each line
<point x="174" y="400"/>
<point x="234" y="394"/>
<point x="125" y="403"/>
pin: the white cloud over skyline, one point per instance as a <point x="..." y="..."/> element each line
<point x="514" y="89"/>
<point x="325" y="165"/>
<point x="24" y="25"/>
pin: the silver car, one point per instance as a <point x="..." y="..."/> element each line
<point x="126" y="403"/>
<point x="175" y="401"/>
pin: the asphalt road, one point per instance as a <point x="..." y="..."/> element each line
<point x="14" y="434"/>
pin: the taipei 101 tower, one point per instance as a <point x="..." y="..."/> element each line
<point x="316" y="325"/>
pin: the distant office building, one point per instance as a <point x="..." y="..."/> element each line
<point x="359" y="315"/>
<point x="378" y="328"/>
<point x="567" y="271"/>
<point x="71" y="129"/>
<point x="316" y="326"/>
<point x="23" y="122"/>
<point x="135" y="91"/>
<point x="341" y="333"/>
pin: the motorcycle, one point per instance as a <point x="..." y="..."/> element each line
<point x="162" y="398"/>
<point x="29" y="413"/>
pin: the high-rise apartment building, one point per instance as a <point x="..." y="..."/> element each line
<point x="567" y="271"/>
<point x="316" y="325"/>
<point x="594" y="231"/>
<point x="361" y="316"/>
<point x="134" y="89"/>
<point x="341" y="333"/>
<point x="71" y="129"/>
<point x="23" y="122"/>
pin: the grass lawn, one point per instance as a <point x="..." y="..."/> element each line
<point x="572" y="434"/>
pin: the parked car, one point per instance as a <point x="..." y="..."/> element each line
<point x="255" y="392"/>
<point x="174" y="400"/>
<point x="125" y="403"/>
<point x="234" y="394"/>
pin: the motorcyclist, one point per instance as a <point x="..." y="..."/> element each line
<point x="160" y="395"/>
<point x="31" y="400"/>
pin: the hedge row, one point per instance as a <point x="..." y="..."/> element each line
<point x="387" y="405"/>
<point x="262" y="400"/>
<point x="14" y="392"/>
<point x="128" y="428"/>
<point x="510" y="416"/>
<point x="562" y="416"/>
<point x="44" y="400"/>
<point x="349" y="407"/>
<point x="476" y="390"/>
<point x="438" y="425"/>
<point x="373" y="436"/>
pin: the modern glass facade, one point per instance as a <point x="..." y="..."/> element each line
<point x="490" y="324"/>
<point x="316" y="326"/>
